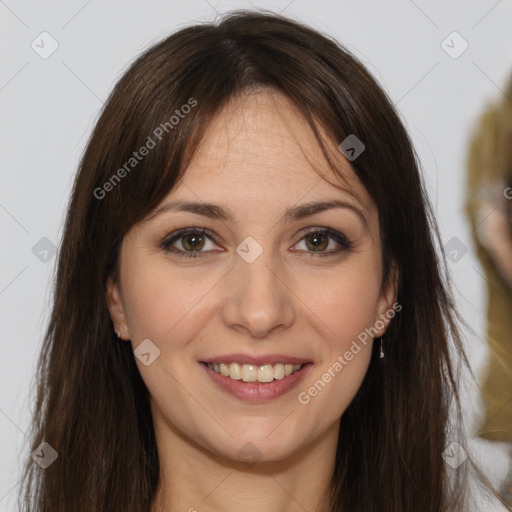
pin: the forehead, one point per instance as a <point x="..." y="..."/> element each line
<point x="260" y="145"/>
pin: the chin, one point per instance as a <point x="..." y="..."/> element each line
<point x="255" y="445"/>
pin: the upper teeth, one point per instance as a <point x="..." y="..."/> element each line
<point x="255" y="373"/>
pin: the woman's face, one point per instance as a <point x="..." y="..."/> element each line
<point x="256" y="278"/>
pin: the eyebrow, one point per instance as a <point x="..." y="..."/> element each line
<point x="214" y="211"/>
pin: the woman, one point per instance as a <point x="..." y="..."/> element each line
<point x="249" y="309"/>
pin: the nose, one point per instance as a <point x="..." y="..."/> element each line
<point x="259" y="299"/>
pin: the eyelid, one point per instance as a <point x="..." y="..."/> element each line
<point x="169" y="239"/>
<point x="340" y="238"/>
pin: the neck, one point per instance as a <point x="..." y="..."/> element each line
<point x="193" y="479"/>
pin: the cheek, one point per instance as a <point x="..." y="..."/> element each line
<point x="328" y="393"/>
<point x="344" y="309"/>
<point x="161" y="299"/>
<point x="346" y="301"/>
<point x="344" y="319"/>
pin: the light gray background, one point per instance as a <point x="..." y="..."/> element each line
<point x="49" y="107"/>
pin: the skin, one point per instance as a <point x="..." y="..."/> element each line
<point x="289" y="300"/>
<point x="494" y="231"/>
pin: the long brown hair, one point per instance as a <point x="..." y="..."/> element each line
<point x="92" y="406"/>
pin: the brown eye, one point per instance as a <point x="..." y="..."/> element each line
<point x="193" y="242"/>
<point x="318" y="241"/>
<point x="188" y="242"/>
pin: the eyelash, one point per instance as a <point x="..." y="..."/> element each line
<point x="167" y="242"/>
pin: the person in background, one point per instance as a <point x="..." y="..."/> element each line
<point x="489" y="209"/>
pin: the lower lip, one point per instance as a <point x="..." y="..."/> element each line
<point x="257" y="391"/>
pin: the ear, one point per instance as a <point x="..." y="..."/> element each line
<point x="387" y="306"/>
<point x="116" y="309"/>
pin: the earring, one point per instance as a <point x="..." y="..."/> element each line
<point x="118" y="334"/>
<point x="381" y="350"/>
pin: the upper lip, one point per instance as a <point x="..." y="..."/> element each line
<point x="255" y="360"/>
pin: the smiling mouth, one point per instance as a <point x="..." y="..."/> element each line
<point x="255" y="373"/>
